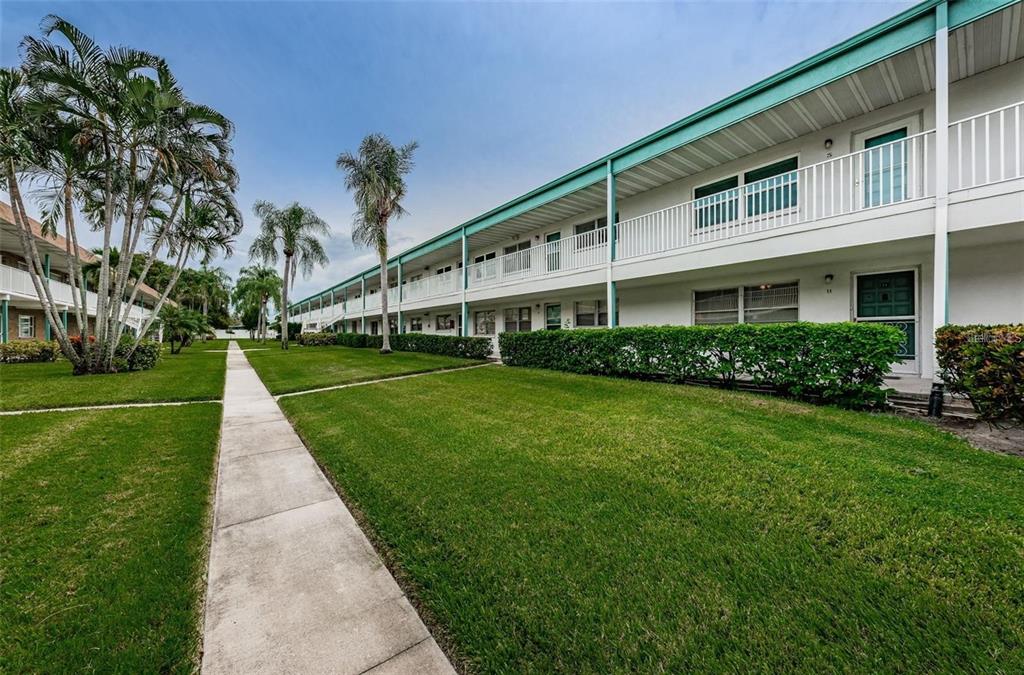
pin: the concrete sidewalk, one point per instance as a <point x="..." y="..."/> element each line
<point x="294" y="585"/>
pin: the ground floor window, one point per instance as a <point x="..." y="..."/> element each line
<point x="592" y="313"/>
<point x="483" y="323"/>
<point x="764" y="303"/>
<point x="374" y="328"/>
<point x="444" y="322"/>
<point x="416" y="324"/>
<point x="517" y="319"/>
<point x="26" y="326"/>
<point x="771" y="303"/>
<point x="552" y="317"/>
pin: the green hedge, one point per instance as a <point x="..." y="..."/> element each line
<point x="839" y="363"/>
<point x="445" y="345"/>
<point x="29" y="351"/>
<point x="316" y="339"/>
<point x="986" y="364"/>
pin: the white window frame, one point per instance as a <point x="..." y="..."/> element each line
<point x="31" y="332"/>
<point x="597" y="302"/>
<point x="740" y="292"/>
<point x="494" y="321"/>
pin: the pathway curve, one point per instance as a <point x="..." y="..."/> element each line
<point x="294" y="585"/>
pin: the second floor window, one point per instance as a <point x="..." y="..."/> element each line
<point x="599" y="225"/>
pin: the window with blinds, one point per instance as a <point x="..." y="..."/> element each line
<point x="770" y="303"/>
<point x="717" y="306"/>
<point x="764" y="303"/>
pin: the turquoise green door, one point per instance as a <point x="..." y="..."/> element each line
<point x="885" y="169"/>
<point x="890" y="298"/>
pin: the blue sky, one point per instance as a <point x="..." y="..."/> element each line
<point x="502" y="97"/>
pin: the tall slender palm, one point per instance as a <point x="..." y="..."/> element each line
<point x="257" y="287"/>
<point x="296" y="229"/>
<point x="376" y="177"/>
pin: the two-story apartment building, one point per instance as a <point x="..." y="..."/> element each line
<point x="880" y="180"/>
<point x="21" y="314"/>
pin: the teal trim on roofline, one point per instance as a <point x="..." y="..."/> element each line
<point x="911" y="27"/>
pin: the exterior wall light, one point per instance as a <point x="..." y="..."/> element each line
<point x="829" y="278"/>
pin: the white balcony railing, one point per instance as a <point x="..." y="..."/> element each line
<point x="13" y="280"/>
<point x="589" y="249"/>
<point x="987" y="148"/>
<point x="880" y="176"/>
<point x="983" y="149"/>
<point x="433" y="286"/>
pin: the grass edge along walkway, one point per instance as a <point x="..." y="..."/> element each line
<point x="104" y="543"/>
<point x="293" y="583"/>
<point x="646" y="526"/>
<point x="362" y="383"/>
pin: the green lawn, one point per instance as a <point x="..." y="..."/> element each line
<point x="553" y="522"/>
<point x="302" y="368"/>
<point x="197" y="373"/>
<point x="103" y="538"/>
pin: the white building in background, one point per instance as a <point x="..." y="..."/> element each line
<point x="881" y="180"/>
<point x="21" y="313"/>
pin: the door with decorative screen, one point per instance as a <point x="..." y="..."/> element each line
<point x="891" y="298"/>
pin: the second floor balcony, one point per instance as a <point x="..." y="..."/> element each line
<point x="18" y="282"/>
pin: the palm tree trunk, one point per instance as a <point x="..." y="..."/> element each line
<point x="385" y="346"/>
<point x="284" y="302"/>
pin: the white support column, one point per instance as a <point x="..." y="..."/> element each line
<point x="940" y="271"/>
<point x="398" y="311"/>
<point x="362" y="296"/>
<point x="612" y="295"/>
<point x="464" y="310"/>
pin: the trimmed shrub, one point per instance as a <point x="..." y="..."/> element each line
<point x="838" y="363"/>
<point x="145" y="356"/>
<point x="29" y="351"/>
<point x="445" y="345"/>
<point x="316" y="339"/>
<point x="351" y="339"/>
<point x="985" y="364"/>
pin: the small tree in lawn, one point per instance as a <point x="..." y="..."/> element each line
<point x="295" y="229"/>
<point x="376" y="177"/>
<point x="257" y="287"/>
<point x="181" y="325"/>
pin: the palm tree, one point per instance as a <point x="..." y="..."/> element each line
<point x="376" y="177"/>
<point x="257" y="287"/>
<point x="109" y="134"/>
<point x="296" y="229"/>
<point x="181" y="325"/>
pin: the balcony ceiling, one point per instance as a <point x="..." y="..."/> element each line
<point x="992" y="41"/>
